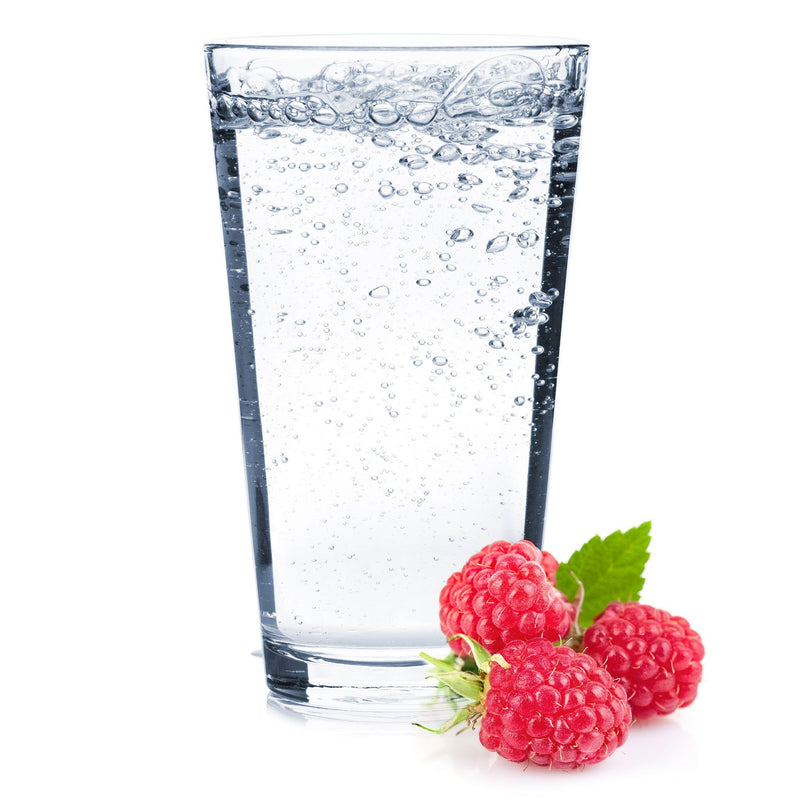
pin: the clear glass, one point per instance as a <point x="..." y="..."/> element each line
<point x="396" y="220"/>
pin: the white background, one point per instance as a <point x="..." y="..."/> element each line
<point x="127" y="592"/>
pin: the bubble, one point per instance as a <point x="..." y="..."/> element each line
<point x="519" y="192"/>
<point x="554" y="202"/>
<point x="482" y="209"/>
<point x="386" y="190"/>
<point x="422" y="113"/>
<point x="519" y="400"/>
<point x="299" y="322"/>
<point x="319" y="226"/>
<point x="540" y="300"/>
<point x="357" y="320"/>
<point x="383" y="113"/>
<point x="461" y="235"/>
<point x="423" y="282"/>
<point x="297" y="111"/>
<point x="279" y="231"/>
<point x="447" y="152"/>
<point x="423" y="149"/>
<point x="414" y="162"/>
<point x="527" y="239"/>
<point x="341" y="188"/>
<point x="567" y="146"/>
<point x="537" y="350"/>
<point x="564" y="121"/>
<point x="468" y="179"/>
<point x="497" y="244"/>
<point x="444" y="256"/>
<point x="325" y="116"/>
<point x="382" y="140"/>
<point x="505" y="93"/>
<point x="503" y="172"/>
<point x="482" y="331"/>
<point x="423" y="187"/>
<point x="524" y="173"/>
<point x="440" y="361"/>
<point x="379" y="292"/>
<point x="496" y="344"/>
<point x="474" y="158"/>
<point x="358" y="164"/>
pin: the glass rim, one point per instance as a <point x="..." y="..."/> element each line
<point x="394" y="41"/>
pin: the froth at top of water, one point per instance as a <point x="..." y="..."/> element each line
<point x="510" y="88"/>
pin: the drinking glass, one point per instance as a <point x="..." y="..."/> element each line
<point x="396" y="216"/>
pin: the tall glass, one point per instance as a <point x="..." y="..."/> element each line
<point x="396" y="218"/>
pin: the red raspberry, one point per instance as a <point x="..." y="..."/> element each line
<point x="655" y="656"/>
<point x="504" y="593"/>
<point x="553" y="707"/>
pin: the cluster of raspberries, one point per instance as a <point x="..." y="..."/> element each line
<point x="548" y="703"/>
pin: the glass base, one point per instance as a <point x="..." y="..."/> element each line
<point x="388" y="686"/>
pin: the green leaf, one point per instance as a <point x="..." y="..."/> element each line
<point x="609" y="569"/>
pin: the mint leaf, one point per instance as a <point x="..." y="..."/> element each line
<point x="610" y="569"/>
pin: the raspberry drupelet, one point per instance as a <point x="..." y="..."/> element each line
<point x="503" y="593"/>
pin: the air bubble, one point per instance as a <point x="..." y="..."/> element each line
<point x="461" y="235"/>
<point x="468" y="179"/>
<point x="382" y="140"/>
<point x="482" y="209"/>
<point x="422" y="114"/>
<point x="379" y="292"/>
<point x="386" y="190"/>
<point x="423" y="188"/>
<point x="414" y="162"/>
<point x="496" y="344"/>
<point x="540" y="300"/>
<point x="497" y="244"/>
<point x="440" y="361"/>
<point x="383" y="114"/>
<point x="519" y="400"/>
<point x="447" y="152"/>
<point x="341" y="188"/>
<point x="506" y="93"/>
<point x="423" y="282"/>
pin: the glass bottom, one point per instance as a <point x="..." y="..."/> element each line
<point x="389" y="685"/>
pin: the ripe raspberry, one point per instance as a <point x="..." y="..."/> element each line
<point x="553" y="706"/>
<point x="504" y="593"/>
<point x="655" y="656"/>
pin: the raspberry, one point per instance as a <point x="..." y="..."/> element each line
<point x="553" y="707"/>
<point x="654" y="655"/>
<point x="504" y="593"/>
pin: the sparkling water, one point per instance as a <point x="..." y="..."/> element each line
<point x="396" y="228"/>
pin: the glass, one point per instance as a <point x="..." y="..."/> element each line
<point x="396" y="221"/>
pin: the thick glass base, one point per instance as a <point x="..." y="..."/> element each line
<point x="389" y="685"/>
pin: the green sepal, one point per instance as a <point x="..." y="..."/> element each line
<point x="440" y="664"/>
<point x="465" y="684"/>
<point x="462" y="716"/>
<point x="481" y="655"/>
